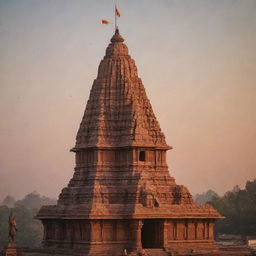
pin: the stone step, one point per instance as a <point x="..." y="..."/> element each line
<point x="156" y="252"/>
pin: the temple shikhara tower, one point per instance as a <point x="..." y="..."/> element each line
<point x="121" y="196"/>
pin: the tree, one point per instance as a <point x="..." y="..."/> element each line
<point x="205" y="197"/>
<point x="239" y="208"/>
<point x="8" y="201"/>
<point x="34" y="201"/>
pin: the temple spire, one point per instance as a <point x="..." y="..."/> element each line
<point x="119" y="113"/>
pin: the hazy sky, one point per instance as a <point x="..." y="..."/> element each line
<point x="196" y="58"/>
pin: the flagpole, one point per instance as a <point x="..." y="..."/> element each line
<point x="115" y="17"/>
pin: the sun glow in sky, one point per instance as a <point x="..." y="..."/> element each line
<point x="197" y="61"/>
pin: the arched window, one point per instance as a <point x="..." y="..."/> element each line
<point x="142" y="156"/>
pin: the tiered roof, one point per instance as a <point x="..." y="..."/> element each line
<point x="118" y="112"/>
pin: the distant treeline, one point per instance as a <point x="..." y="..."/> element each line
<point x="30" y="230"/>
<point x="31" y="201"/>
<point x="205" y="197"/>
<point x="238" y="206"/>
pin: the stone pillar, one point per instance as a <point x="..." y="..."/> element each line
<point x="165" y="229"/>
<point x="191" y="230"/>
<point x="135" y="227"/>
<point x="180" y="230"/>
<point x="96" y="232"/>
<point x="69" y="234"/>
<point x="200" y="230"/>
<point x="57" y="230"/>
<point x="135" y="156"/>
<point x="77" y="233"/>
<point x="196" y="236"/>
<point x="99" y="161"/>
<point x="207" y="230"/>
<point x="44" y="235"/>
<point x="211" y="230"/>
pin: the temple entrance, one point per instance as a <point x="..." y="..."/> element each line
<point x="150" y="234"/>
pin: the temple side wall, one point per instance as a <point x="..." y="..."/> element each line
<point x="126" y="233"/>
<point x="185" y="235"/>
<point x="190" y="229"/>
<point x="77" y="233"/>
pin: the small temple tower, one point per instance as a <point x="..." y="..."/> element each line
<point x="121" y="195"/>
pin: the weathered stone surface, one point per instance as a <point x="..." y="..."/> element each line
<point x="121" y="195"/>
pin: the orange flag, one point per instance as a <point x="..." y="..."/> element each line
<point x="118" y="13"/>
<point x="105" y="22"/>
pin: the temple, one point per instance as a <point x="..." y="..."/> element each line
<point x="121" y="196"/>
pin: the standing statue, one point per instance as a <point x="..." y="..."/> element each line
<point x="12" y="228"/>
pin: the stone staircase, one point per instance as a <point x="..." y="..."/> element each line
<point x="156" y="252"/>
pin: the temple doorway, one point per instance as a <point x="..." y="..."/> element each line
<point x="150" y="234"/>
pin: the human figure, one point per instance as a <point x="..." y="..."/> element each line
<point x="12" y="228"/>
